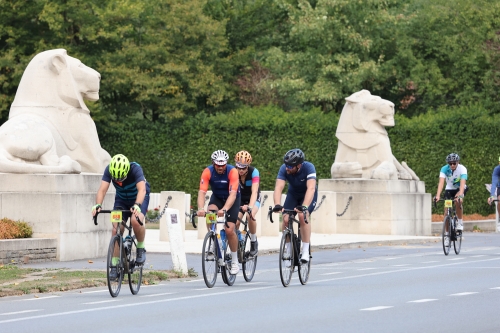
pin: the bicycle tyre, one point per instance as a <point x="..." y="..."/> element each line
<point x="304" y="269"/>
<point x="249" y="263"/>
<point x="457" y="245"/>
<point x="286" y="272"/>
<point x="226" y="275"/>
<point x="114" y="285"/>
<point x="446" y="222"/>
<point x="134" y="270"/>
<point x="209" y="259"/>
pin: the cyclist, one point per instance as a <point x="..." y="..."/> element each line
<point x="132" y="192"/>
<point x="455" y="175"/>
<point x="302" y="194"/>
<point x="223" y="180"/>
<point x="250" y="194"/>
<point x="495" y="185"/>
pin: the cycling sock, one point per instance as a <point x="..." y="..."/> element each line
<point x="234" y="255"/>
<point x="140" y="245"/>
<point x="114" y="261"/>
<point x="305" y="247"/>
<point x="253" y="237"/>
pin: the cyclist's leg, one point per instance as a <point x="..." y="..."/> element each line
<point x="290" y="203"/>
<point x="498" y="198"/>
<point x="305" y="228"/>
<point x="252" y="228"/>
<point x="448" y="195"/>
<point x="118" y="205"/>
<point x="232" y="238"/>
<point x="140" y="230"/>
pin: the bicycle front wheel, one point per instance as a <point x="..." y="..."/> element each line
<point x="226" y="274"/>
<point x="446" y="239"/>
<point x="304" y="269"/>
<point x="249" y="262"/>
<point x="286" y="259"/>
<point x="209" y="259"/>
<point x="114" y="282"/>
<point x="134" y="270"/>
<point x="457" y="244"/>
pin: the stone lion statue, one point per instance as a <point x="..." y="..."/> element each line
<point x="49" y="128"/>
<point x="364" y="149"/>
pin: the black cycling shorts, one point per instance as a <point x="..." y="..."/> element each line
<point x="450" y="194"/>
<point x="232" y="213"/>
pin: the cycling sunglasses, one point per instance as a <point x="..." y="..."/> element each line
<point x="452" y="163"/>
<point x="289" y="167"/>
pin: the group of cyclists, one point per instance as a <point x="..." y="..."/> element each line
<point x="235" y="191"/>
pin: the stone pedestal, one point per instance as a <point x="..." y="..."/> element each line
<point x="384" y="207"/>
<point x="58" y="206"/>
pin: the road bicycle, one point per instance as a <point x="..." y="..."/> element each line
<point x="450" y="233"/>
<point x="247" y="261"/>
<point x="125" y="248"/>
<point x="288" y="262"/>
<point x="215" y="254"/>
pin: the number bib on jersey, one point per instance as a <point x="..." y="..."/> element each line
<point x="448" y="203"/>
<point x="116" y="216"/>
<point x="211" y="218"/>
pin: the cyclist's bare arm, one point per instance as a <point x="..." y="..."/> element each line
<point x="101" y="192"/>
<point x="440" y="187"/>
<point x="462" y="188"/>
<point x="311" y="188"/>
<point x="278" y="190"/>
<point x="201" y="203"/>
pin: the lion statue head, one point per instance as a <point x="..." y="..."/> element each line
<point x="364" y="148"/>
<point x="49" y="128"/>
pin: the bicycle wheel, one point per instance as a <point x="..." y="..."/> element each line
<point x="446" y="239"/>
<point x="226" y="275"/>
<point x="209" y="259"/>
<point x="115" y="284"/>
<point x="249" y="262"/>
<point x="134" y="270"/>
<point x="286" y="260"/>
<point x="305" y="268"/>
<point x="457" y="245"/>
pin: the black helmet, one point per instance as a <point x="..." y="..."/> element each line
<point x="294" y="157"/>
<point x="452" y="158"/>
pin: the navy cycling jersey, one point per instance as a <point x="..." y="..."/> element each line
<point x="495" y="177"/>
<point x="127" y="190"/>
<point x="221" y="185"/>
<point x="297" y="183"/>
<point x="251" y="177"/>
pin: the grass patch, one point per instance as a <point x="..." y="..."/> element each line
<point x="12" y="272"/>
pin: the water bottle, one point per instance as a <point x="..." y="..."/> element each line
<point x="223" y="239"/>
<point x="240" y="236"/>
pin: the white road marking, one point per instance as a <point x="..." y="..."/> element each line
<point x="495" y="288"/>
<point x="465" y="293"/>
<point x="375" y="308"/>
<point x="18" y="312"/>
<point x="366" y="269"/>
<point x="331" y="273"/>
<point x="153" y="295"/>
<point x="114" y="307"/>
<point x="423" y="300"/>
<point x="39" y="298"/>
<point x="401" y="265"/>
<point x="479" y="255"/>
<point x="390" y="258"/>
<point x="208" y="288"/>
<point x="99" y="302"/>
<point x="457" y="259"/>
<point x="194" y="280"/>
<point x="95" y="291"/>
<point x="428" y="262"/>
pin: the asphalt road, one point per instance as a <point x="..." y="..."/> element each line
<point x="382" y="289"/>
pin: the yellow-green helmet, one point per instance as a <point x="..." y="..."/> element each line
<point x="119" y="167"/>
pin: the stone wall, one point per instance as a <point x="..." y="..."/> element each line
<point x="27" y="250"/>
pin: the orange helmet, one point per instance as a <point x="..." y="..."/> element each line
<point x="243" y="159"/>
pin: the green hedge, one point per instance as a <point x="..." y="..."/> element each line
<point x="174" y="153"/>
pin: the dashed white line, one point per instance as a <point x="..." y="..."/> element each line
<point x="479" y="255"/>
<point x="153" y="295"/>
<point x="423" y="300"/>
<point x="39" y="298"/>
<point x="366" y="269"/>
<point x="457" y="259"/>
<point x="465" y="293"/>
<point x="428" y="262"/>
<point x="95" y="291"/>
<point x="375" y="308"/>
<point x="99" y="302"/>
<point x="495" y="288"/>
<point x="401" y="265"/>
<point x="389" y="258"/>
<point x="18" y="312"/>
<point x="331" y="273"/>
<point x="208" y="288"/>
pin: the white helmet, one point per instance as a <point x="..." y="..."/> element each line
<point x="220" y="157"/>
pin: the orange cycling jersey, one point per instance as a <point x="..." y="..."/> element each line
<point x="221" y="185"/>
